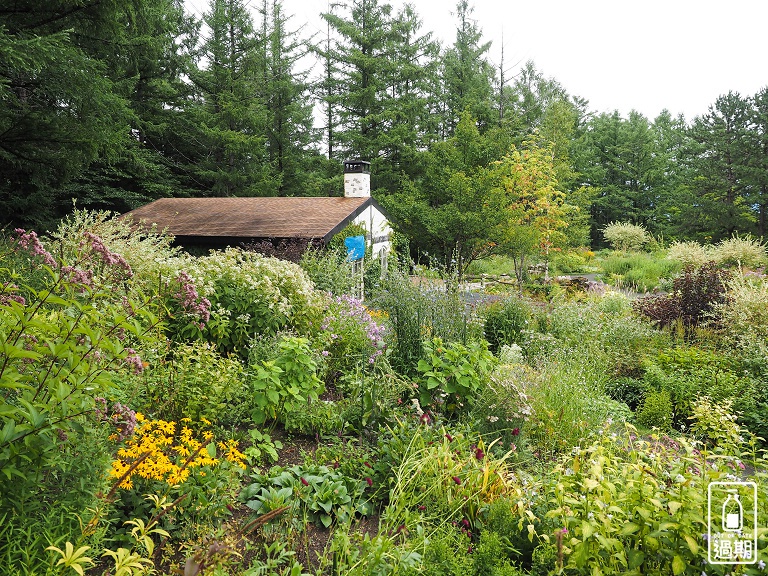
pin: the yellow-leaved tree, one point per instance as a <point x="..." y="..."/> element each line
<point x="536" y="213"/>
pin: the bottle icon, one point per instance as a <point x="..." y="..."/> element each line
<point x="733" y="513"/>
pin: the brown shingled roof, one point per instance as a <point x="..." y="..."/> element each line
<point x="248" y="218"/>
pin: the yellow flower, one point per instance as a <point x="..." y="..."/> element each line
<point x="205" y="421"/>
<point x="140" y="417"/>
<point x="208" y="435"/>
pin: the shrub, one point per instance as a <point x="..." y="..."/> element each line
<point x="625" y="236"/>
<point x="329" y="270"/>
<point x="604" y="328"/>
<point x="60" y="347"/>
<point x="452" y="374"/>
<point x="504" y="323"/>
<point x="194" y="381"/>
<point x="284" y="383"/>
<point x="149" y="254"/>
<point x="690" y="253"/>
<point x="740" y="251"/>
<point x="716" y="425"/>
<point x="743" y="313"/>
<point x="416" y="313"/>
<point x="687" y="373"/>
<point x="656" y="411"/>
<point x="695" y="294"/>
<point x="627" y="503"/>
<point x="249" y="295"/>
<point x="349" y="338"/>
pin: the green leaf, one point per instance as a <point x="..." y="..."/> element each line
<point x="634" y="558"/>
<point x="629" y="528"/>
<point x="211" y="449"/>
<point x="586" y="529"/>
<point x="692" y="544"/>
<point x="678" y="565"/>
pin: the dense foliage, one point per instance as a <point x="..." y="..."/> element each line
<point x="145" y="396"/>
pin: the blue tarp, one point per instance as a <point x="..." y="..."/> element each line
<point x="355" y="247"/>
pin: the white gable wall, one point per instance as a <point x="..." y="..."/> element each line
<point x="378" y="229"/>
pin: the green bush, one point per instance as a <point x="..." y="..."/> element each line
<point x="249" y="294"/>
<point x="605" y="327"/>
<point x="656" y="411"/>
<point x="453" y="374"/>
<point x="194" y="381"/>
<point x="629" y="504"/>
<point x="690" y="253"/>
<point x="446" y="553"/>
<point x="416" y="313"/>
<point x="504" y="323"/>
<point x="329" y="270"/>
<point x="625" y="236"/>
<point x="687" y="373"/>
<point x="60" y="348"/>
<point x="284" y="383"/>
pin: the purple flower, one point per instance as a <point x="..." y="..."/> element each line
<point x="134" y="360"/>
<point x="369" y="481"/>
<point x="457" y="480"/>
<point x="30" y="241"/>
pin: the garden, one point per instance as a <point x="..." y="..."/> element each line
<point x="239" y="414"/>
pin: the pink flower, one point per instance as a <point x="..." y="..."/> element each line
<point x="134" y="360"/>
<point x="479" y="454"/>
<point x="30" y="241"/>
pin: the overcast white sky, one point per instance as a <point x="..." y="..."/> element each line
<point x="618" y="54"/>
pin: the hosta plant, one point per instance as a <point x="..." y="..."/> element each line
<point x="319" y="494"/>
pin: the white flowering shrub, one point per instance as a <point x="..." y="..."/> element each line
<point x="690" y="253"/>
<point x="625" y="236"/>
<point x="248" y="295"/>
<point x="740" y="251"/>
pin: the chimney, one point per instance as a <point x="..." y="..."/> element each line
<point x="357" y="179"/>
